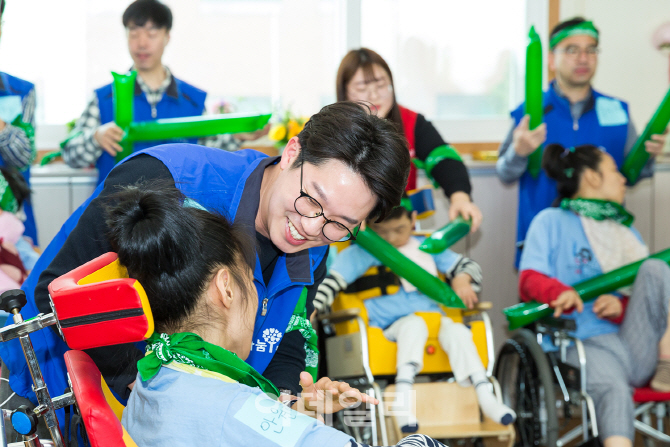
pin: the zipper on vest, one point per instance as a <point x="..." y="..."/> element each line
<point x="102" y="317"/>
<point x="154" y="112"/>
<point x="264" y="309"/>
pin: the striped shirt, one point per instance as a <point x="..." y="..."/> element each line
<point x="16" y="149"/>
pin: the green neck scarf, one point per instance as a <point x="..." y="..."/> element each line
<point x="585" y="28"/>
<point x="7" y="200"/>
<point x="191" y="349"/>
<point x="599" y="210"/>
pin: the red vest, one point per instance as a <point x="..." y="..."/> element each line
<point x="408" y="118"/>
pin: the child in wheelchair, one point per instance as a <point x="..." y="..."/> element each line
<point x="193" y="386"/>
<point x="395" y="314"/>
<point x="624" y="333"/>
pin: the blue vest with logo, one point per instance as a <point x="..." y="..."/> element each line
<point x="220" y="181"/>
<point x="179" y="100"/>
<point x="18" y="87"/>
<point x="603" y="123"/>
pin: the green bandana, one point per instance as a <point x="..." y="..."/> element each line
<point x="599" y="210"/>
<point x="191" y="349"/>
<point x="299" y="322"/>
<point x="7" y="200"/>
<point x="585" y="28"/>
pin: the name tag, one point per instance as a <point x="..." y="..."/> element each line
<point x="610" y="112"/>
<point x="274" y="421"/>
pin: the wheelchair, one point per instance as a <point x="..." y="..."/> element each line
<point x="361" y="354"/>
<point x="549" y="395"/>
<point x="86" y="318"/>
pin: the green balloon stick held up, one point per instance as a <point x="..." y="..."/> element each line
<point x="195" y="126"/>
<point x="533" y="104"/>
<point x="123" y="89"/>
<point x="446" y="236"/>
<point x="638" y="155"/>
<point x="165" y="129"/>
<point x="387" y="254"/>
<point x="525" y="313"/>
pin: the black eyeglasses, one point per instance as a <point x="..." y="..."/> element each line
<point x="308" y="206"/>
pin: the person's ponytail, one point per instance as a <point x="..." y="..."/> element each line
<point x="566" y="165"/>
<point x="173" y="249"/>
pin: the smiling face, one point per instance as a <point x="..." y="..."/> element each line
<point x="342" y="193"/>
<point x="575" y="60"/>
<point x="146" y="45"/>
<point x="377" y="90"/>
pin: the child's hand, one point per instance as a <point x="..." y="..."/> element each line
<point x="327" y="396"/>
<point x="608" y="306"/>
<point x="567" y="301"/>
<point x="462" y="286"/>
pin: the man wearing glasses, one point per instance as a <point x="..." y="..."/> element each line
<point x="574" y="114"/>
<point x="345" y="166"/>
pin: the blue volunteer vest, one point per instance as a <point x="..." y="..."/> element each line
<point x="220" y="181"/>
<point x="18" y="87"/>
<point x="180" y="100"/>
<point x="604" y="123"/>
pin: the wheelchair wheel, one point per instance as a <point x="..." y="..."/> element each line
<point x="527" y="385"/>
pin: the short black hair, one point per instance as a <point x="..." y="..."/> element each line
<point x="566" y="24"/>
<point x="2" y="7"/>
<point x="142" y="11"/>
<point x="369" y="145"/>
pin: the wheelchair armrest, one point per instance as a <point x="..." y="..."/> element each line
<point x="561" y="324"/>
<point x="479" y="307"/>
<point x="340" y="316"/>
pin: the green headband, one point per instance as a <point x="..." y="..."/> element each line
<point x="7" y="200"/>
<point x="406" y="203"/>
<point x="585" y="28"/>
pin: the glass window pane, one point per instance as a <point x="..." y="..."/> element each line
<point x="451" y="59"/>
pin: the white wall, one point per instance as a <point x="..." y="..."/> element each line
<point x="629" y="67"/>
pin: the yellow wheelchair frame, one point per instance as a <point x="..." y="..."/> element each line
<point x="361" y="353"/>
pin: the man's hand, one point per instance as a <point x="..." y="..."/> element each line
<point x="460" y="204"/>
<point x="108" y="137"/>
<point x="250" y="136"/>
<point x="462" y="286"/>
<point x="608" y="306"/>
<point x="566" y="301"/>
<point x="524" y="140"/>
<point x="327" y="396"/>
<point x="655" y="145"/>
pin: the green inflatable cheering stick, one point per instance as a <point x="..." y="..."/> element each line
<point x="402" y="266"/>
<point x="533" y="103"/>
<point x="123" y="89"/>
<point x="525" y="313"/>
<point x="446" y="236"/>
<point x="638" y="155"/>
<point x="164" y="129"/>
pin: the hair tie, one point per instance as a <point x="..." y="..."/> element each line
<point x="567" y="150"/>
<point x="569" y="172"/>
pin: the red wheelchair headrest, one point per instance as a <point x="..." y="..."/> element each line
<point x="98" y="305"/>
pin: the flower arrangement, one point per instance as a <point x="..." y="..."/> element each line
<point x="287" y="128"/>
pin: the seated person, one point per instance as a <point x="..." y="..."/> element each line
<point x="588" y="234"/>
<point x="17" y="255"/>
<point x="395" y="314"/>
<point x="193" y="385"/>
